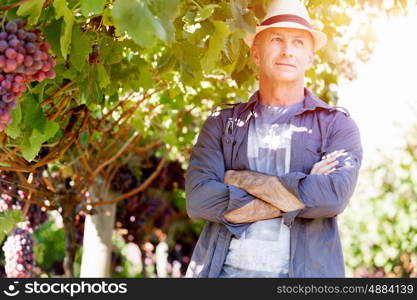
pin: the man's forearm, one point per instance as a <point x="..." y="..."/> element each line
<point x="264" y="187"/>
<point x="255" y="210"/>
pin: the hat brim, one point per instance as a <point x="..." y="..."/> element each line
<point x="319" y="37"/>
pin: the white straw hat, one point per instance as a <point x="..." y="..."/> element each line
<point x="288" y="14"/>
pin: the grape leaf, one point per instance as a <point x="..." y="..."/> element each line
<point x="60" y="7"/>
<point x="110" y="51"/>
<point x="8" y="221"/>
<point x="166" y="62"/>
<point x="37" y="129"/>
<point x="28" y="152"/>
<point x="103" y="77"/>
<point x="216" y="45"/>
<point x="205" y="12"/>
<point x="13" y="129"/>
<point x="66" y="32"/>
<point x="32" y="9"/>
<point x="198" y="36"/>
<point x="244" y="20"/>
<point x="39" y="137"/>
<point x="92" y="7"/>
<point x="81" y="47"/>
<point x="165" y="9"/>
<point x="90" y="92"/>
<point x="137" y="21"/>
<point x="32" y="114"/>
<point x="189" y="62"/>
<point x="53" y="35"/>
<point x="169" y="36"/>
<point x="62" y="11"/>
<point x="145" y="76"/>
<point x="72" y="73"/>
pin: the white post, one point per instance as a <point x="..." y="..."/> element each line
<point x="97" y="241"/>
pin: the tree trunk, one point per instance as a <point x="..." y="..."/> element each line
<point x="97" y="241"/>
<point x="68" y="216"/>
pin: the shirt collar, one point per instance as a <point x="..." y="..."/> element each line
<point x="311" y="102"/>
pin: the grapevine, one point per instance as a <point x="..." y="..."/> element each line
<point x="24" y="58"/>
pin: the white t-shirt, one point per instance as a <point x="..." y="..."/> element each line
<point x="263" y="249"/>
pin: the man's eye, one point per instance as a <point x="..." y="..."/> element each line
<point x="276" y="39"/>
<point x="299" y="42"/>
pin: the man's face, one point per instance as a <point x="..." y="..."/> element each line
<point x="283" y="54"/>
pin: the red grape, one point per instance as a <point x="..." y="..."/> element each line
<point x="28" y="61"/>
<point x="11" y="27"/>
<point x="50" y="74"/>
<point x="10" y="53"/>
<point x="11" y="65"/>
<point x="30" y="47"/>
<point x="15" y="43"/>
<point x="24" y="58"/>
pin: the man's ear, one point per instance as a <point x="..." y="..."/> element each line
<point x="255" y="54"/>
<point x="311" y="59"/>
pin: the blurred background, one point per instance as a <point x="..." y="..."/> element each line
<point x="92" y="160"/>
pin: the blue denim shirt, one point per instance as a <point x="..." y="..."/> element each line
<point x="319" y="128"/>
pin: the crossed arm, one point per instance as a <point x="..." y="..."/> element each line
<point x="325" y="195"/>
<point x="272" y="196"/>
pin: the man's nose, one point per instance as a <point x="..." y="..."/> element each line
<point x="285" y="51"/>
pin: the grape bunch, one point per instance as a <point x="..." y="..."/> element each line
<point x="18" y="254"/>
<point x="7" y="203"/>
<point x="24" y="58"/>
<point x="35" y="215"/>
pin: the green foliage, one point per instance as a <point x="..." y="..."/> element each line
<point x="126" y="268"/>
<point x="8" y="221"/>
<point x="33" y="129"/>
<point x="92" y="7"/>
<point x="380" y="224"/>
<point x="62" y="11"/>
<point x="81" y="47"/>
<point x="49" y="245"/>
<point x="112" y="48"/>
<point x="31" y="9"/>
<point x="135" y="18"/>
<point x="216" y="46"/>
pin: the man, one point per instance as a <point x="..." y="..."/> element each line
<point x="270" y="176"/>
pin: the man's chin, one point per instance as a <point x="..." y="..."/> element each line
<point x="284" y="77"/>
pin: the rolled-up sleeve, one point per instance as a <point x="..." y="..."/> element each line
<point x="207" y="197"/>
<point x="326" y="196"/>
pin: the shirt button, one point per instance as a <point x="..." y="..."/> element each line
<point x="228" y="140"/>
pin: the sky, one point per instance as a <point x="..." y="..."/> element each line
<point x="382" y="100"/>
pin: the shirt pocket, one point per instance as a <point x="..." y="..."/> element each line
<point x="313" y="154"/>
<point x="228" y="143"/>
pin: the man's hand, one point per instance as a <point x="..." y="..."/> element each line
<point x="328" y="163"/>
<point x="265" y="187"/>
<point x="255" y="210"/>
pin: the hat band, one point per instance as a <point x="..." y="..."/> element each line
<point x="286" y="18"/>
